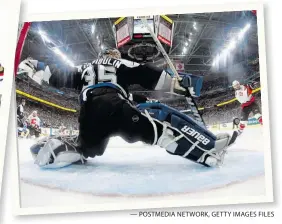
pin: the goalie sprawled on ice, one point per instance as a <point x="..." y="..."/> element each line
<point x="107" y="110"/>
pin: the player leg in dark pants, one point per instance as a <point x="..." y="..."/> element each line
<point x="244" y="117"/>
<point x="254" y="108"/>
<point x="106" y="115"/>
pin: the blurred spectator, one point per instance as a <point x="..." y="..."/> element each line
<point x="50" y="116"/>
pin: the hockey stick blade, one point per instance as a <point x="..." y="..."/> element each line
<point x="233" y="138"/>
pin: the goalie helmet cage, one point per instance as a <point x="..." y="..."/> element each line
<point x="22" y="33"/>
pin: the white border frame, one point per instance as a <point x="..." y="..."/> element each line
<point x="173" y="202"/>
<point x="10" y="11"/>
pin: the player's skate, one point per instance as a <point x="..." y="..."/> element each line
<point x="56" y="152"/>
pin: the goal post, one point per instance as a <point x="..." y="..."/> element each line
<point x="22" y="33"/>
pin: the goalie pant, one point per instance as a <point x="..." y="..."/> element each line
<point x="107" y="113"/>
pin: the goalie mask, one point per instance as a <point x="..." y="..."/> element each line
<point x="110" y="52"/>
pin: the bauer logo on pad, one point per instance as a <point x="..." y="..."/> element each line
<point x="195" y="134"/>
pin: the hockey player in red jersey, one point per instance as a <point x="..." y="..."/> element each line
<point x="34" y="124"/>
<point x="243" y="94"/>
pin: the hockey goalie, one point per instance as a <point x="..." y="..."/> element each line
<point x="107" y="110"/>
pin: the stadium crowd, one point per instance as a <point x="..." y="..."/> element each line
<point x="64" y="98"/>
<point x="50" y="116"/>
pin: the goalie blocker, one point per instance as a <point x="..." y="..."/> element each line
<point x="177" y="133"/>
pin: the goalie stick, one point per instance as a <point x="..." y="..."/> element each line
<point x="189" y="98"/>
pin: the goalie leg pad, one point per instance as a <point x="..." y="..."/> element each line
<point x="184" y="146"/>
<point x="54" y="153"/>
<point x="182" y="136"/>
<point x="178" y="143"/>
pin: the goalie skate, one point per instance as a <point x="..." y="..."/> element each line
<point x="219" y="152"/>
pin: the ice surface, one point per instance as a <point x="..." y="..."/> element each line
<point x="138" y="170"/>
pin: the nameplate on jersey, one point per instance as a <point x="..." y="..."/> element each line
<point x="108" y="62"/>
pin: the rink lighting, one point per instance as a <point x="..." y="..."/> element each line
<point x="186" y="44"/>
<point x="241" y="35"/>
<point x="224" y="53"/>
<point x="243" y="31"/>
<point x="184" y="50"/>
<point x="216" y="60"/>
<point x="44" y="36"/>
<point x="232" y="44"/>
<point x="63" y="56"/>
<point x="55" y="50"/>
<point x="247" y="27"/>
<point x="93" y="29"/>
